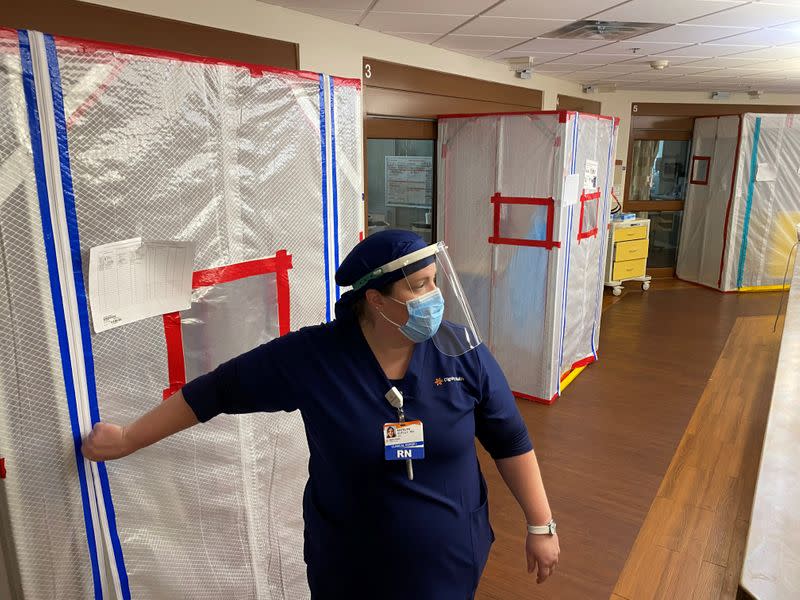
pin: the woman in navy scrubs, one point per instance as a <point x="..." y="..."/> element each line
<point x="390" y="516"/>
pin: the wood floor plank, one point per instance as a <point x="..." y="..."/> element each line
<point x="605" y="446"/>
<point x="709" y="582"/>
<point x="703" y="500"/>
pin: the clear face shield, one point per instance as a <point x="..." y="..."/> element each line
<point x="437" y="306"/>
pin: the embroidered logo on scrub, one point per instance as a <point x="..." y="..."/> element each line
<point x="439" y="381"/>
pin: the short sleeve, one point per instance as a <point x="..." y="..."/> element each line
<point x="256" y="381"/>
<point x="498" y="424"/>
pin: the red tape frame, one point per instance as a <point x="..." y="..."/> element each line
<point x="548" y="243"/>
<point x="582" y="235"/>
<point x="279" y="264"/>
<point x="696" y="159"/>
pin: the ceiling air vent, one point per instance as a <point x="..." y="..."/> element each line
<point x="602" y="30"/>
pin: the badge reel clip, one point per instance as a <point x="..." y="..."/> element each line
<point x="395" y="398"/>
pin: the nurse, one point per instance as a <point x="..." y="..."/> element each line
<point x="386" y="515"/>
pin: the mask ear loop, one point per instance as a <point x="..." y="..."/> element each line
<point x="388" y="319"/>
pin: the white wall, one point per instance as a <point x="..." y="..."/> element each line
<point x="338" y="49"/>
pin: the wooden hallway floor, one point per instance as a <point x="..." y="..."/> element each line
<point x="626" y="472"/>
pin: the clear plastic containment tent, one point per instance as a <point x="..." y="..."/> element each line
<point x="261" y="169"/>
<point x="742" y="203"/>
<point x="524" y="209"/>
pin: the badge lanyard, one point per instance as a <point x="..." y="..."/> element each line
<point x="395" y="398"/>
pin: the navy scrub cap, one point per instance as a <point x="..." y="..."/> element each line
<point x="372" y="252"/>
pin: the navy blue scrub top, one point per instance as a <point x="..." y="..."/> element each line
<point x="369" y="531"/>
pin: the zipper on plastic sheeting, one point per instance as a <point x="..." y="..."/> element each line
<point x="332" y="234"/>
<point x="66" y="276"/>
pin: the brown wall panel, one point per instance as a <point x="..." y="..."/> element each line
<point x="706" y="110"/>
<point x="675" y="123"/>
<point x="379" y="101"/>
<point x="104" y="24"/>
<point x="580" y="104"/>
<point x="393" y="76"/>
<point x="400" y="129"/>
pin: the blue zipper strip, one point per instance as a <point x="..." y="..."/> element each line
<point x="324" y="149"/>
<point x="80" y="290"/>
<point x="29" y="86"/>
<point x="750" y="191"/>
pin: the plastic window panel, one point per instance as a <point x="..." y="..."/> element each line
<point x="701" y="167"/>
<point x="523" y="222"/>
<point x="274" y="270"/>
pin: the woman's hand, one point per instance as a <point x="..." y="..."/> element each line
<point x="106" y="442"/>
<point x="542" y="551"/>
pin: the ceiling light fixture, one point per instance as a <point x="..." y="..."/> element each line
<point x="659" y="65"/>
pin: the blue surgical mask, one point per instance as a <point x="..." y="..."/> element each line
<point x="424" y="316"/>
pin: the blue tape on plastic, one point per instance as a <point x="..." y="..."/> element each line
<point x="323" y="146"/>
<point x="568" y="249"/>
<point x="751" y="186"/>
<point x="602" y="229"/>
<point x="29" y="87"/>
<point x="335" y="188"/>
<point x="80" y="291"/>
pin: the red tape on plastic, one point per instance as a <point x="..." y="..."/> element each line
<point x="582" y="235"/>
<point x="549" y="243"/>
<point x="522" y="396"/>
<point x="92" y="99"/>
<point x="83" y="45"/>
<point x="577" y="365"/>
<point x="2" y="468"/>
<point x="279" y="264"/>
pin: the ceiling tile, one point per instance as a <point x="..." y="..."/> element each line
<point x="478" y="42"/>
<point x="440" y="7"/>
<point x="592" y="75"/>
<point x="614" y="48"/>
<point x="644" y="65"/>
<point x="689" y="34"/>
<point x="714" y="74"/>
<point x="687" y="69"/>
<point x="563" y="9"/>
<point x="751" y="72"/>
<point x="323" y="4"/>
<point x="581" y="59"/>
<point x="778" y="52"/>
<point x="673" y="11"/>
<point x="571" y="46"/>
<point x="424" y="38"/>
<point x="605" y="58"/>
<point x="756" y="14"/>
<point x="773" y="36"/>
<point x="554" y="68"/>
<point x="506" y="26"/>
<point x="707" y="50"/>
<point x="726" y="62"/>
<point x="626" y="67"/>
<point x="476" y="53"/>
<point x="539" y="57"/>
<point x="412" y="22"/>
<point x="647" y="48"/>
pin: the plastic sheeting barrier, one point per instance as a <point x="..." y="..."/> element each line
<point x="737" y="230"/>
<point x="529" y="256"/>
<point x="102" y="143"/>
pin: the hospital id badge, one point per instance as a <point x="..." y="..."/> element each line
<point x="403" y="441"/>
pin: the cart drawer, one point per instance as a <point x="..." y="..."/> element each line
<point x="631" y="250"/>
<point x="629" y="269"/>
<point x="623" y="234"/>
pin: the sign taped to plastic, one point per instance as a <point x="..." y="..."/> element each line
<point x="133" y="279"/>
